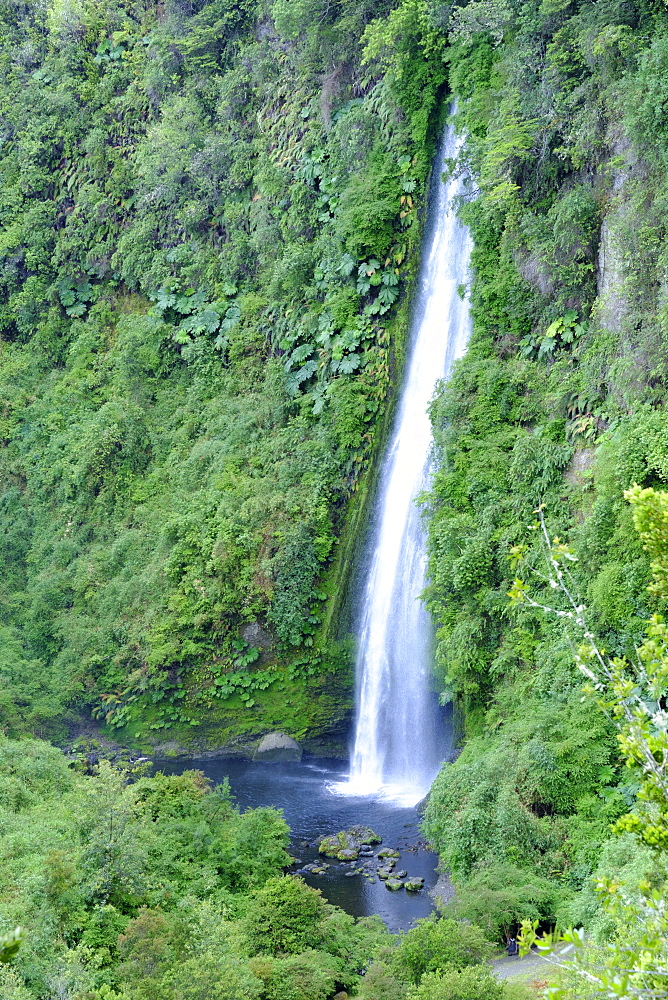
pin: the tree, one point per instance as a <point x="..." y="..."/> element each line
<point x="284" y="916"/>
<point x="436" y="943"/>
<point x="632" y="694"/>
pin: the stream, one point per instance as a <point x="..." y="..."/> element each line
<point x="313" y="809"/>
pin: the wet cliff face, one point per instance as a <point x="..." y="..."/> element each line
<point x="400" y="738"/>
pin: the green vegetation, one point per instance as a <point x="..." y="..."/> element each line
<point x="209" y="225"/>
<point x="633" y="960"/>
<point x="559" y="402"/>
<point x="208" y="228"/>
<point x="158" y="888"/>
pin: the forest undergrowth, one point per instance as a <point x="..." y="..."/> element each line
<point x="209" y="225"/>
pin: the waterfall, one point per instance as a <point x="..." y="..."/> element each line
<point x="397" y="749"/>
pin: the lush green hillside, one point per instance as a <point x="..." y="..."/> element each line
<point x="208" y="226"/>
<point x="560" y="402"/>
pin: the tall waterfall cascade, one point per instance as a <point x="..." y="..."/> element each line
<point x="397" y="749"/>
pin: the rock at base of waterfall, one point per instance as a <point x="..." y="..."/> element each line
<point x="422" y="805"/>
<point x="394" y="884"/>
<point x="346" y="845"/>
<point x="277" y="747"/>
<point x="365" y="835"/>
<point x="348" y="854"/>
<point x="414" y="884"/>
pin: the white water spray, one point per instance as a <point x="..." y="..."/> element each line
<point x="397" y="749"/>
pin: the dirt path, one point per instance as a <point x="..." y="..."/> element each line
<point x="529" y="967"/>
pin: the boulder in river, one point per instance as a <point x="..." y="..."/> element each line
<point x="347" y="854"/>
<point x="414" y="884"/>
<point x="345" y="845"/>
<point x="364" y="834"/>
<point x="332" y="846"/>
<point x="277" y="747"/>
<point x="393" y="884"/>
<point x="388" y="852"/>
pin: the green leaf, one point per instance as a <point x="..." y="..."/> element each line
<point x="76" y="310"/>
<point x="181" y="336"/>
<point x="349" y="364"/>
<point x="547" y="346"/>
<point x="347" y="265"/>
<point x="66" y="294"/>
<point x="299" y="354"/>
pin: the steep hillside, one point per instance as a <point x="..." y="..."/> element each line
<point x="209" y="222"/>
<point x="560" y="403"/>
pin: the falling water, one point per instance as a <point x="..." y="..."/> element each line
<point x="397" y="748"/>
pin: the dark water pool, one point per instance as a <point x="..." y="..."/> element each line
<point x="311" y="809"/>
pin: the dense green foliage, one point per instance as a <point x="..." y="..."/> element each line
<point x="206" y="228"/>
<point x="208" y="231"/>
<point x="559" y="402"/>
<point x="158" y="888"/>
<point x="630" y="691"/>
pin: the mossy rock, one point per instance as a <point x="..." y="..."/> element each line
<point x="394" y="884"/>
<point x="388" y="852"/>
<point x="414" y="884"/>
<point x="364" y="835"/>
<point x="331" y="846"/>
<point x="339" y="844"/>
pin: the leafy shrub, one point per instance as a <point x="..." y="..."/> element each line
<point x="284" y="915"/>
<point x="212" y="976"/>
<point x="369" y="208"/>
<point x="436" y="943"/>
<point x="380" y="983"/>
<point x="473" y="983"/>
<point x="310" y="975"/>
